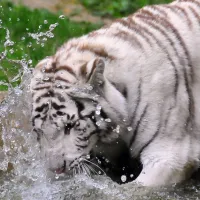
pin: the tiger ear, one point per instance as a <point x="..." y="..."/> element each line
<point x="92" y="72"/>
<point x="96" y="77"/>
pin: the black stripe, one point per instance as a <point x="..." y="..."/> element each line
<point x="59" y="78"/>
<point x="137" y="103"/>
<point x="80" y="105"/>
<point x="56" y="106"/>
<point x="136" y="28"/>
<point x="81" y="146"/>
<point x="187" y="76"/>
<point x="41" y="108"/>
<point x="167" y="118"/>
<point x="39" y="132"/>
<point x="103" y="114"/>
<point x="149" y="22"/>
<point x="44" y="118"/>
<point x="153" y="137"/>
<point x="48" y="94"/>
<point x="137" y="126"/>
<point x="35" y="117"/>
<point x="197" y="3"/>
<point x="42" y="87"/>
<point x="83" y="139"/>
<point x="195" y="14"/>
<point x="180" y="12"/>
<point x="125" y="92"/>
<point x="92" y="70"/>
<point x="66" y="68"/>
<point x="60" y="113"/>
<point x="129" y="38"/>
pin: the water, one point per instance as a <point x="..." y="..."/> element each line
<point x="23" y="175"/>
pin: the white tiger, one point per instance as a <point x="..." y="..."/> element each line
<point x="137" y="79"/>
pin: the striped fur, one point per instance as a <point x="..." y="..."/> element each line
<point x="142" y="73"/>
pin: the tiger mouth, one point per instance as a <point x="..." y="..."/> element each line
<point x="62" y="169"/>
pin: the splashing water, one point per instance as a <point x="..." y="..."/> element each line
<point x="22" y="172"/>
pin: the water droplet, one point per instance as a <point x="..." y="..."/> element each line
<point x="129" y="128"/>
<point x="52" y="26"/>
<point x="56" y="176"/>
<point x="98" y="123"/>
<point x="11" y="51"/>
<point x="44" y="39"/>
<point x="123" y="178"/>
<point x="131" y="175"/>
<point x="46" y="78"/>
<point x="62" y="17"/>
<point x="97" y="112"/>
<point x="95" y="97"/>
<point x="98" y="107"/>
<point x="90" y="87"/>
<point x="99" y="161"/>
<point x="107" y="160"/>
<point x="117" y="129"/>
<point x="49" y="35"/>
<point x="8" y="43"/>
<point x="87" y="156"/>
<point x="108" y="120"/>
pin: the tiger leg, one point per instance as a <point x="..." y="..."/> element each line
<point x="168" y="164"/>
<point x="161" y="174"/>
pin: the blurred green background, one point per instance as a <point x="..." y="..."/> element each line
<point x="117" y="8"/>
<point x="23" y="22"/>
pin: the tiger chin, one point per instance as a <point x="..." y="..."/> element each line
<point x="137" y="79"/>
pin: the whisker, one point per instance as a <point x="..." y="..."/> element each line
<point x="79" y="169"/>
<point x="94" y="165"/>
<point x="84" y="171"/>
<point x="87" y="170"/>
<point x="91" y="169"/>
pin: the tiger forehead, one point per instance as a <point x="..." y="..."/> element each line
<point x="55" y="95"/>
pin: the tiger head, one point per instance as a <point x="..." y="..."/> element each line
<point x="69" y="117"/>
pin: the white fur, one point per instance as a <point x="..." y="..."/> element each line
<point x="174" y="153"/>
